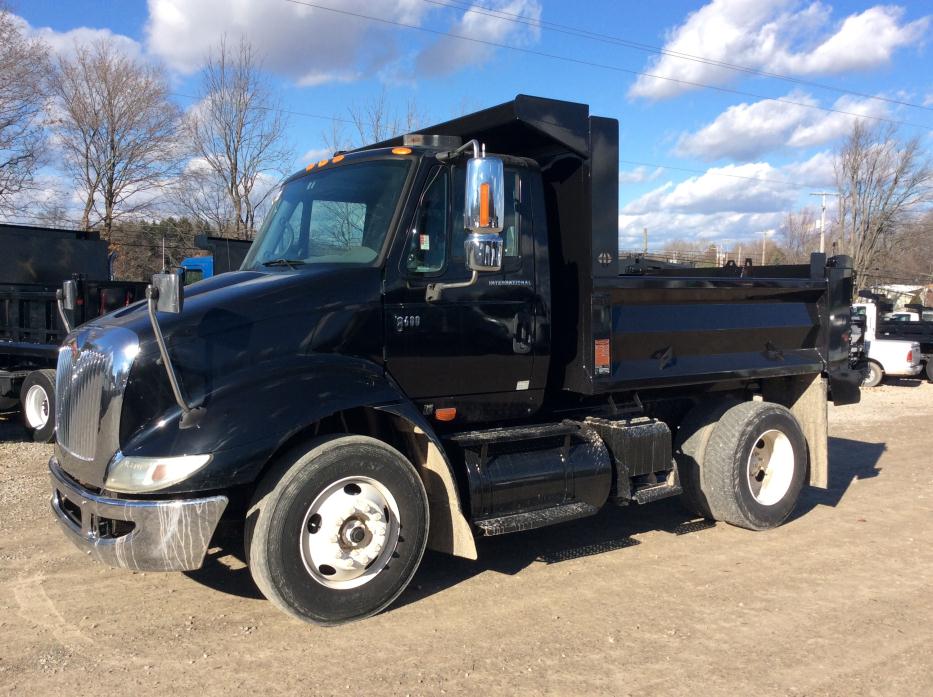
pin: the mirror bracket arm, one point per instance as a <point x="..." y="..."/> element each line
<point x="189" y="416"/>
<point x="434" y="290"/>
<point x="452" y="154"/>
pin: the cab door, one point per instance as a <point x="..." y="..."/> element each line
<point x="473" y="348"/>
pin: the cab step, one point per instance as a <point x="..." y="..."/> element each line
<point x="530" y="520"/>
<point x="648" y="492"/>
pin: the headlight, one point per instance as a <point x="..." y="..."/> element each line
<point x="134" y="475"/>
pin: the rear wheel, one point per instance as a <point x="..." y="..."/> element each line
<point x="754" y="465"/>
<point x="37" y="398"/>
<point x="929" y="370"/>
<point x="873" y="375"/>
<point x="337" y="530"/>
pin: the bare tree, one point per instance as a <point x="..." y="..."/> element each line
<point x="883" y="182"/>
<point x="238" y="140"/>
<point x="117" y="128"/>
<point x="23" y="71"/>
<point x="799" y="236"/>
<point x="373" y="121"/>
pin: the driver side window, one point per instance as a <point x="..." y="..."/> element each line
<point x="427" y="246"/>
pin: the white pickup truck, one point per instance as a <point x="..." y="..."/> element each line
<point x="891" y="357"/>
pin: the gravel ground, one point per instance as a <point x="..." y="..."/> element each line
<point x="633" y="601"/>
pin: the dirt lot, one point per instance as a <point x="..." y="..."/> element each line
<point x="634" y="601"/>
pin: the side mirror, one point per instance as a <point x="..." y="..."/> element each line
<point x="485" y="195"/>
<point x="483" y="251"/>
<point x="69" y="295"/>
<point x="168" y="292"/>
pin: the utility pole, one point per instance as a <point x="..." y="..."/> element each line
<point x="823" y="195"/>
<point x="764" y="241"/>
<point x="646" y="240"/>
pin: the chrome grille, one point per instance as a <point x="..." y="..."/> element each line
<point x="79" y="383"/>
<point x="93" y="369"/>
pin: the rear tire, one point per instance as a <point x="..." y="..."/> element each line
<point x="693" y="435"/>
<point x="37" y="399"/>
<point x="929" y="370"/>
<point x="873" y="375"/>
<point x="754" y="466"/>
<point x="337" y="529"/>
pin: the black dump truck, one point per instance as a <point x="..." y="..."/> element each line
<point x="36" y="261"/>
<point x="429" y="342"/>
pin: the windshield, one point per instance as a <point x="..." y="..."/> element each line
<point x="333" y="216"/>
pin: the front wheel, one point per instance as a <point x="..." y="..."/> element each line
<point x="337" y="530"/>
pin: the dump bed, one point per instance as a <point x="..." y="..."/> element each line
<point x="692" y="326"/>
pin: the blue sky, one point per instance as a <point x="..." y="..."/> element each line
<point x="715" y="164"/>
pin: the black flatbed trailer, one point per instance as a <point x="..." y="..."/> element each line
<point x="422" y="347"/>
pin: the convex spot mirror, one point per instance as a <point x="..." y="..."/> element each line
<point x="483" y="251"/>
<point x="485" y="195"/>
<point x="169" y="291"/>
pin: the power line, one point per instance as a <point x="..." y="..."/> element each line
<point x="593" y="64"/>
<point x="648" y="48"/>
<point x="276" y="109"/>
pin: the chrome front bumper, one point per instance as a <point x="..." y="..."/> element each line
<point x="139" y="535"/>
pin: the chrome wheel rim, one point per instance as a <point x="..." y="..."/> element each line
<point x="770" y="469"/>
<point x="36" y="407"/>
<point x="349" y="532"/>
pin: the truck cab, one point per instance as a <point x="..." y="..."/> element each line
<point x="433" y="339"/>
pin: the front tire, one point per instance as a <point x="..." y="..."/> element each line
<point x="37" y="399"/>
<point x="336" y="531"/>
<point x="754" y="466"/>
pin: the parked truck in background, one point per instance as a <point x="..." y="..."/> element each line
<point x="885" y="353"/>
<point x="917" y="329"/>
<point x="428" y="343"/>
<point x="226" y="254"/>
<point x="36" y="261"/>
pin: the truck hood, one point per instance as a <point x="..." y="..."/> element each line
<point x="239" y="326"/>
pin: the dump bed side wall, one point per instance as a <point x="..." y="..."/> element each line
<point x="665" y="331"/>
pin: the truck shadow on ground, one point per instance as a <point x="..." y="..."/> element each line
<point x="12" y="429"/>
<point x="613" y="528"/>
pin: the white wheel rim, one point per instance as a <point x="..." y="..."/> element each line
<point x="349" y="532"/>
<point x="770" y="467"/>
<point x="36" y="406"/>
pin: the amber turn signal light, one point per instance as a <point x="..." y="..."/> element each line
<point x="446" y="414"/>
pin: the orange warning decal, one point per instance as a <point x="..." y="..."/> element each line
<point x="602" y="356"/>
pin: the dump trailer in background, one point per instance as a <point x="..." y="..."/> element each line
<point x="35" y="262"/>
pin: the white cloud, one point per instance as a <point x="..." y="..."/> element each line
<point x="313" y="46"/>
<point x="725" y="203"/>
<point x="639" y="175"/>
<point x="307" y="44"/>
<point x="448" y="54"/>
<point x="749" y="188"/>
<point x="775" y="36"/>
<point x="746" y="131"/>
<point x="928" y="100"/>
<point x="64" y="43"/>
<point x="316" y="154"/>
<point x="707" y="227"/>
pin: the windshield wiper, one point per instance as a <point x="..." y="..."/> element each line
<point x="290" y="263"/>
